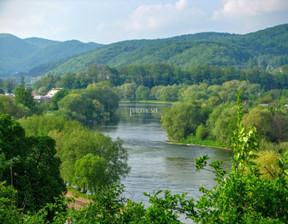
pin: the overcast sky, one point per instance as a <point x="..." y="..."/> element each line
<point x="107" y="21"/>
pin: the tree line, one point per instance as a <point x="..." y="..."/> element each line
<point x="161" y="74"/>
<point x="208" y="113"/>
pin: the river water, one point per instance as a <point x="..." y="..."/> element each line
<point x="156" y="165"/>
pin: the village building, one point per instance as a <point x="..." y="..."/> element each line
<point x="52" y="92"/>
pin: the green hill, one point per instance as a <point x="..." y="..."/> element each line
<point x="264" y="47"/>
<point x="21" y="55"/>
<point x="267" y="47"/>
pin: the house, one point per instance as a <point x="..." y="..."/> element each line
<point x="11" y="95"/>
<point x="37" y="98"/>
<point x="244" y="102"/>
<point x="263" y="105"/>
<point x="52" y="92"/>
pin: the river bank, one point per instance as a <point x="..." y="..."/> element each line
<point x="191" y="140"/>
<point x="145" y="101"/>
<point x="194" y="141"/>
<point x="78" y="199"/>
<point x="191" y="144"/>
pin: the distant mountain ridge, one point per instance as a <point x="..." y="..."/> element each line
<point x="21" y="55"/>
<point x="268" y="47"/>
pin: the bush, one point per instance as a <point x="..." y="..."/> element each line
<point x="201" y="132"/>
<point x="267" y="161"/>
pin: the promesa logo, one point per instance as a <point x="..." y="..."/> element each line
<point x="143" y="110"/>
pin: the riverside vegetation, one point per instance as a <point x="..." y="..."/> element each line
<point x="240" y="196"/>
<point x="204" y="110"/>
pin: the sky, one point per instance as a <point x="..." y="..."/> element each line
<point x="109" y="21"/>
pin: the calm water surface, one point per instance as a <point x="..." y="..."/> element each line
<point x="154" y="164"/>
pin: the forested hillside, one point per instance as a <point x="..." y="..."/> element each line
<point x="267" y="48"/>
<point x="21" y="55"/>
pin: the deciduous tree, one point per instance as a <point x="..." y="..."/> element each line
<point x="23" y="95"/>
<point x="35" y="173"/>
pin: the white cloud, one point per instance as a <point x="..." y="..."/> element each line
<point x="244" y="16"/>
<point x="181" y="4"/>
<point x="25" y="17"/>
<point x="115" y="20"/>
<point x="85" y="20"/>
<point x="157" y="16"/>
<point x="238" y="8"/>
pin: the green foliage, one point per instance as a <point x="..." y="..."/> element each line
<point x="168" y="93"/>
<point x="201" y="162"/>
<point x="194" y="93"/>
<point x="96" y="101"/>
<point x="9" y="106"/>
<point x="50" y="213"/>
<point x="196" y="141"/>
<point x="261" y="119"/>
<point x="68" y="81"/>
<point x="142" y="93"/>
<point x="90" y="172"/>
<point x="75" y="103"/>
<point x="109" y="207"/>
<point x="76" y="144"/>
<point x="222" y="128"/>
<point x="57" y="97"/>
<point x="168" y="83"/>
<point x="23" y="95"/>
<point x="127" y="90"/>
<point x="183" y="119"/>
<point x="201" y="132"/>
<point x="243" y="196"/>
<point x="8" y="210"/>
<point x="44" y="172"/>
<point x="268" y="163"/>
<point x="46" y="83"/>
<point x="33" y="168"/>
<point x="1" y="86"/>
<point x="267" y="146"/>
<point x="103" y="93"/>
<point x="271" y="126"/>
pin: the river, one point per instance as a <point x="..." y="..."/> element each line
<point x="156" y="165"/>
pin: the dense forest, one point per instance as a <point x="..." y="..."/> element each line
<point x="156" y="74"/>
<point x="266" y="49"/>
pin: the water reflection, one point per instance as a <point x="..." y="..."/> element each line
<point x="156" y="165"/>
